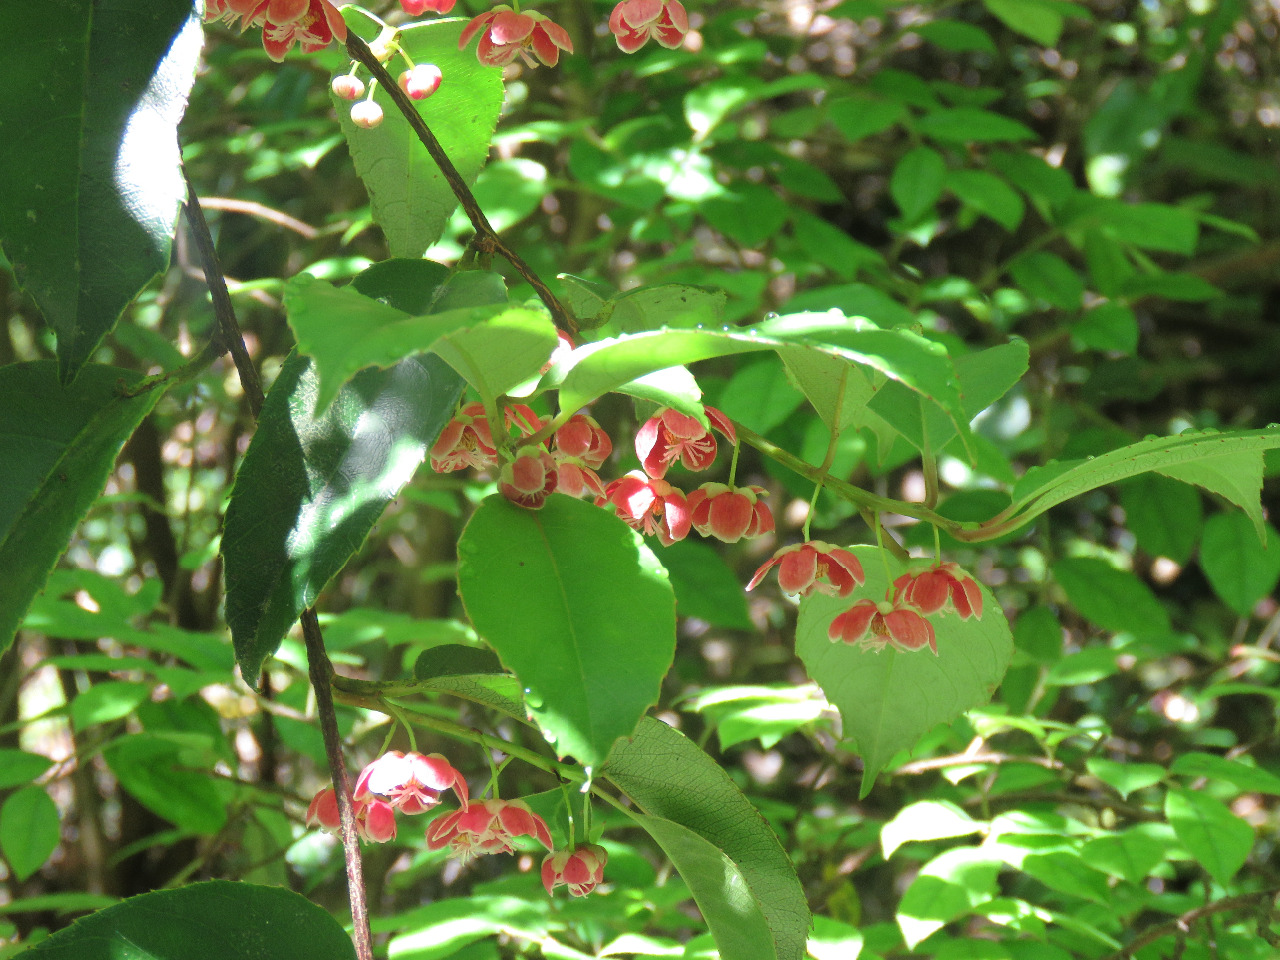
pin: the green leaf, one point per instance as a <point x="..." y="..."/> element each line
<point x="311" y="487"/>
<point x="453" y="660"/>
<point x="666" y="775"/>
<point x="861" y="116"/>
<point x="989" y="195"/>
<point x="730" y="907"/>
<point x="18" y="767"/>
<point x="1129" y="854"/>
<point x="1229" y="464"/>
<point x="946" y="888"/>
<point x="747" y="213"/>
<point x="1048" y="277"/>
<point x="442" y="929"/>
<point x="643" y="308"/>
<point x="1218" y="839"/>
<point x="155" y="771"/>
<point x="705" y="586"/>
<point x="60" y="903"/>
<point x="1234" y="771"/>
<point x="215" y="920"/>
<point x="1039" y="20"/>
<point x="926" y="820"/>
<point x="1109" y="326"/>
<point x="578" y="608"/>
<point x="1240" y="569"/>
<point x="1162" y="513"/>
<point x="411" y="200"/>
<point x="917" y="362"/>
<point x="759" y="395"/>
<point x="1113" y="599"/>
<point x="1125" y="778"/>
<point x="957" y="36"/>
<point x="889" y="700"/>
<point x="917" y="182"/>
<point x="92" y="182"/>
<point x="971" y="125"/>
<point x="106" y="701"/>
<point x="29" y="830"/>
<point x="58" y="445"/>
<point x="492" y="345"/>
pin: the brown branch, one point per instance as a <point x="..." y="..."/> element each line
<point x="223" y="309"/>
<point x="487" y="237"/>
<point x="260" y="210"/>
<point x="318" y="665"/>
<point x="1181" y="925"/>
<point x="321" y="670"/>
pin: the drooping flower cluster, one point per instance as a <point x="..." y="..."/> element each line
<point x="899" y="620"/>
<point x="312" y="24"/>
<point x="411" y="783"/>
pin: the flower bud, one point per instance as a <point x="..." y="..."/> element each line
<point x="366" y="114"/>
<point x="347" y="86"/>
<point x="422" y="81"/>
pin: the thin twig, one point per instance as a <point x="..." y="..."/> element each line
<point x="1181" y="925"/>
<point x="487" y="237"/>
<point x="321" y="670"/>
<point x="260" y="210"/>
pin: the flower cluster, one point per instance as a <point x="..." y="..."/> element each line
<point x="313" y="24"/>
<point x="411" y="783"/>
<point x="568" y="461"/>
<point x="899" y="620"/>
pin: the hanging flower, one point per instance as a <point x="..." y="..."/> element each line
<point x="507" y="33"/>
<point x="815" y="566"/>
<point x="729" y="513"/>
<point x="670" y="436"/>
<point x="580" y="869"/>
<point x="633" y="22"/>
<point x="929" y="590"/>
<point x="416" y="8"/>
<point x="318" y="25"/>
<point x="465" y="441"/>
<point x="375" y="821"/>
<point x="410" y="782"/>
<point x="873" y="625"/>
<point x="486" y="827"/>
<point x="530" y="478"/>
<point x="649" y="505"/>
<point x="584" y="438"/>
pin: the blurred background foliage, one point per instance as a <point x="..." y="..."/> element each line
<point x="1099" y="178"/>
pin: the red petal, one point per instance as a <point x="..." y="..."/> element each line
<point x="798" y="569"/>
<point x="851" y="626"/>
<point x="909" y="630"/>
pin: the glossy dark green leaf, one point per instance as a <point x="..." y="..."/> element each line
<point x="92" y="181"/>
<point x="666" y="775"/>
<point x="890" y="699"/>
<point x="215" y="920"/>
<point x="58" y="445"/>
<point x="411" y="200"/>
<point x="454" y="660"/>
<point x="311" y="487"/>
<point x="1112" y="598"/>
<point x="1241" y="569"/>
<point x="730" y="907"/>
<point x="29" y="830"/>
<point x="578" y="608"/>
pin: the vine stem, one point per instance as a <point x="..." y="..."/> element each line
<point x="488" y="237"/>
<point x="318" y="664"/>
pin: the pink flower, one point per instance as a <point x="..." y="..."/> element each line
<point x="575" y="479"/>
<point x="530" y="478"/>
<point x="507" y="33"/>
<point x="375" y="821"/>
<point x="584" y="438"/>
<point x="323" y="811"/>
<point x="487" y="827"/>
<point x="729" y="513"/>
<point x="929" y="590"/>
<point x="580" y="869"/>
<point x="415" y="8"/>
<point x="672" y="436"/>
<point x="465" y="441"/>
<point x="633" y="22"/>
<point x="803" y="568"/>
<point x="872" y="625"/>
<point x="649" y="505"/>
<point x="410" y="782"/>
<point x="522" y="418"/>
<point x="317" y="25"/>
